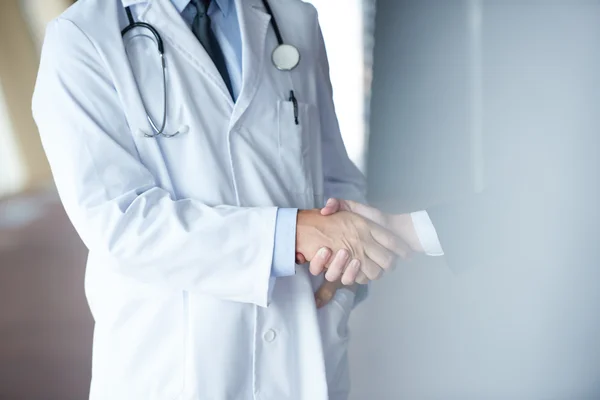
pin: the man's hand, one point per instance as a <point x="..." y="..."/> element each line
<point x="327" y="291"/>
<point x="350" y="236"/>
<point x="341" y="271"/>
<point x="400" y="225"/>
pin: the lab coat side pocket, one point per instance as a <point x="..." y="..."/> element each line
<point x="333" y="319"/>
<point x="295" y="136"/>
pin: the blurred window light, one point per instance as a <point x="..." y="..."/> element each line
<point x="39" y="12"/>
<point x="343" y="26"/>
<point x="12" y="175"/>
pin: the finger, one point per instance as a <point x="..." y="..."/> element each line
<point x="319" y="261"/>
<point x="326" y="292"/>
<point x="337" y="266"/>
<point x="390" y="241"/>
<point x="351" y="272"/>
<point x="371" y="269"/>
<point x="331" y="207"/>
<point x="300" y="259"/>
<point x="384" y="258"/>
<point x="361" y="278"/>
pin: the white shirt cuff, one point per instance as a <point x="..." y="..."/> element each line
<point x="427" y="234"/>
<point x="284" y="249"/>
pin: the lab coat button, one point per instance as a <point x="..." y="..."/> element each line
<point x="270" y="335"/>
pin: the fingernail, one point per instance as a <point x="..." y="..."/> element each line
<point x="319" y="303"/>
<point x="323" y="252"/>
<point x="329" y="202"/>
<point x="354" y="264"/>
<point x="343" y="255"/>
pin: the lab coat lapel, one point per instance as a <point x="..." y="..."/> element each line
<point x="254" y="24"/>
<point x="177" y="35"/>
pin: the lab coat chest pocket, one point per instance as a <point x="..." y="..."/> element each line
<point x="296" y="135"/>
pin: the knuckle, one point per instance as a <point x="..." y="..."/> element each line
<point x="397" y="245"/>
<point x="361" y="222"/>
<point x="390" y="242"/>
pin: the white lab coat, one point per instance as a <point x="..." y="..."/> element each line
<point x="180" y="230"/>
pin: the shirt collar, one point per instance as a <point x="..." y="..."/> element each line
<point x="180" y="5"/>
<point x="224" y="5"/>
<point x="127" y="3"/>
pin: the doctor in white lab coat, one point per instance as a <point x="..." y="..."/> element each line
<point x="184" y="232"/>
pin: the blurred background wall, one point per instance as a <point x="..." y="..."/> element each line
<point x="45" y="326"/>
<point x="501" y="94"/>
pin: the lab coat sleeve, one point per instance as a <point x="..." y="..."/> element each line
<point x="114" y="201"/>
<point x="342" y="178"/>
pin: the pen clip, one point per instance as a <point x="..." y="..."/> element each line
<point x="295" y="103"/>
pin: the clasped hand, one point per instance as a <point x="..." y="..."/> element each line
<point x="352" y="242"/>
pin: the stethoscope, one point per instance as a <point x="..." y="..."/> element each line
<point x="285" y="57"/>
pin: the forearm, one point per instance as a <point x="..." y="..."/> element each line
<point x="222" y="251"/>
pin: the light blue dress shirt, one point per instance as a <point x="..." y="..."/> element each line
<point x="226" y="27"/>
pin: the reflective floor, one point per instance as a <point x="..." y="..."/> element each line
<point x="45" y="324"/>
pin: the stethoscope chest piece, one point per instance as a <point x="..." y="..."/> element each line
<point x="285" y="57"/>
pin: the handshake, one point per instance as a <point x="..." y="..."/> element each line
<point x="355" y="243"/>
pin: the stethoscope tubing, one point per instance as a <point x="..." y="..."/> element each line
<point x="161" y="50"/>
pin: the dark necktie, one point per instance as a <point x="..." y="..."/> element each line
<point x="202" y="30"/>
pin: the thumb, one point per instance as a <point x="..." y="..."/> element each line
<point x="326" y="292"/>
<point x="367" y="212"/>
<point x="331" y="207"/>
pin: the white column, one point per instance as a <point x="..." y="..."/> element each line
<point x="39" y="12"/>
<point x="475" y="11"/>
<point x="342" y="26"/>
<point x="22" y="160"/>
<point x="12" y="165"/>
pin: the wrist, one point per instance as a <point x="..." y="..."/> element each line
<point x="307" y="230"/>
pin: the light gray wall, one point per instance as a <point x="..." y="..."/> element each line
<point x="530" y="331"/>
